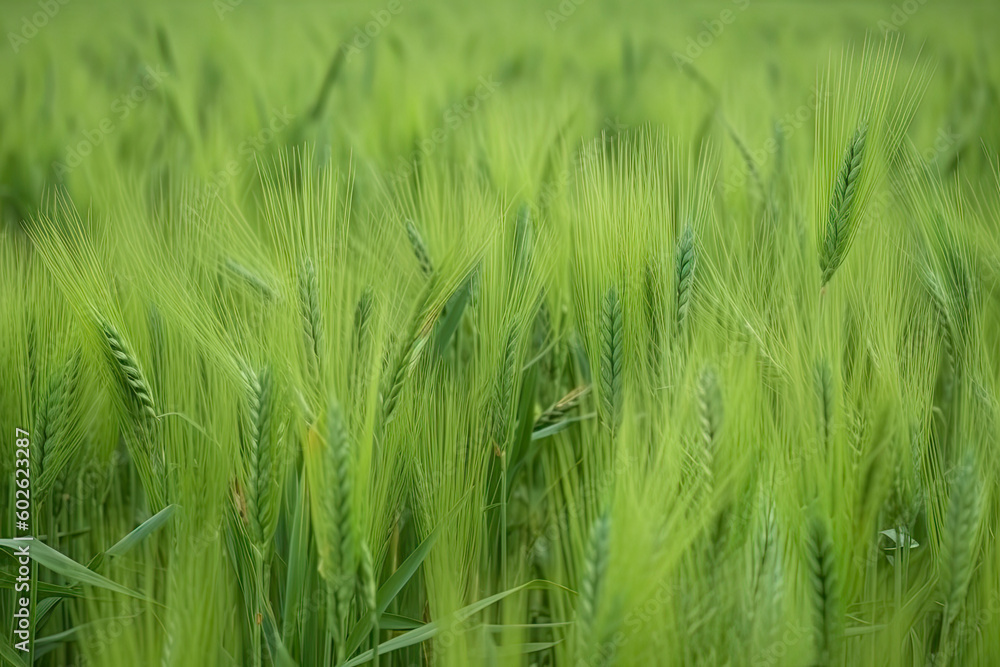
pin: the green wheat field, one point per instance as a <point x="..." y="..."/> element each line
<point x="543" y="333"/>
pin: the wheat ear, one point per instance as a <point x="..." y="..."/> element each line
<point x="312" y="319"/>
<point x="824" y="593"/>
<point x="419" y="248"/>
<point x="591" y="584"/>
<point x="612" y="359"/>
<point x="685" y="263"/>
<point x="339" y="571"/>
<point x="840" y="225"/>
<point x="260" y="500"/>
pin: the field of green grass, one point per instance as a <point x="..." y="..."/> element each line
<point x="557" y="333"/>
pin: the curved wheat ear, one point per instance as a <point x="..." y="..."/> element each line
<point x="612" y="359"/>
<point x="312" y="319"/>
<point x="686" y="259"/>
<point x="591" y="583"/>
<point x="419" y="248"/>
<point x="824" y="392"/>
<point x="339" y="571"/>
<point x="823" y="590"/>
<point x="958" y="552"/>
<point x="260" y="499"/>
<point x="840" y="225"/>
<point x="134" y="384"/>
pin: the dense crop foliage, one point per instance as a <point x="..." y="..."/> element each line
<point x="527" y="334"/>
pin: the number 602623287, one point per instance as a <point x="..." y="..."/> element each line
<point x="22" y="476"/>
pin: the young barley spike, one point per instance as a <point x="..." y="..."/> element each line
<point x="591" y="583"/>
<point x="824" y="392"/>
<point x="561" y="408"/>
<point x="503" y="392"/>
<point x="710" y="418"/>
<point x="686" y="260"/>
<point x="419" y="248"/>
<point x="134" y="384"/>
<point x="651" y="302"/>
<point x="259" y="495"/>
<point x="368" y="586"/>
<point x="46" y="414"/>
<point x="542" y="324"/>
<point x="56" y="446"/>
<point x="340" y="572"/>
<point x="406" y="357"/>
<point x="362" y="318"/>
<point x="824" y="595"/>
<point x="772" y="566"/>
<point x="312" y="319"/>
<point x="360" y="340"/>
<point x="709" y="407"/>
<point x="945" y="321"/>
<point x="612" y="359"/>
<point x="957" y="553"/>
<point x="840" y="226"/>
<point x="523" y="242"/>
<point x="748" y="160"/>
<point x="251" y="279"/>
